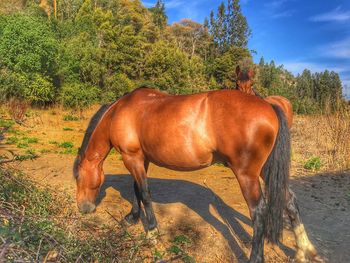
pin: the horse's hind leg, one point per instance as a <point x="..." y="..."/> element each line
<point x="137" y="167"/>
<point x="305" y="248"/>
<point x="251" y="190"/>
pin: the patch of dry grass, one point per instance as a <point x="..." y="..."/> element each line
<point x="326" y="136"/>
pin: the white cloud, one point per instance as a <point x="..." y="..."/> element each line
<point x="174" y="3"/>
<point x="336" y="15"/>
<point x="297" y="67"/>
<point x="339" y="49"/>
<point x="287" y="13"/>
<point x="275" y="9"/>
<point x="275" y="4"/>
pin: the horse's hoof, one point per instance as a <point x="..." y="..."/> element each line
<point x="308" y="257"/>
<point x="129" y="220"/>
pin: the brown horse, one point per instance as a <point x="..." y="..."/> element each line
<point x="244" y="83"/>
<point x="190" y="132"/>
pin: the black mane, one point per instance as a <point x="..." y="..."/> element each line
<point x="91" y="127"/>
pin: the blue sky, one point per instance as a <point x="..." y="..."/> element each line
<point x="299" y="34"/>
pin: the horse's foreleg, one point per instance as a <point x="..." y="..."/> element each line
<point x="305" y="248"/>
<point x="138" y="168"/>
<point x="251" y="190"/>
<point x="134" y="215"/>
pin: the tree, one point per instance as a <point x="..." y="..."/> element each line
<point x="191" y="37"/>
<point x="160" y="18"/>
<point x="229" y="28"/>
<point x="238" y="31"/>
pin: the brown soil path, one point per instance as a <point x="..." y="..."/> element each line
<point x="208" y="207"/>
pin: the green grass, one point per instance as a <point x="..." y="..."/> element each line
<point x="22" y="145"/>
<point x="30" y="140"/>
<point x="29" y="155"/>
<point x="12" y="140"/>
<point x="176" y="251"/>
<point x="66" y="145"/>
<point x="36" y="221"/>
<point x="44" y="150"/>
<point x="70" y="118"/>
<point x="69" y="151"/>
<point x="6" y="124"/>
<point x="314" y="163"/>
<point x="67" y="129"/>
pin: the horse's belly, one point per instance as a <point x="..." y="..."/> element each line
<point x="179" y="156"/>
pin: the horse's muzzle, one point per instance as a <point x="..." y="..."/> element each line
<point x="86" y="207"/>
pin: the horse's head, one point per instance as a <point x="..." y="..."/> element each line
<point x="244" y="81"/>
<point x="89" y="177"/>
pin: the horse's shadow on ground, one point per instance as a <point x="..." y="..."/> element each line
<point x="167" y="191"/>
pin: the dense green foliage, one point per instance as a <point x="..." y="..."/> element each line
<point x="95" y="51"/>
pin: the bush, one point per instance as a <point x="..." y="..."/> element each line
<point x="40" y="90"/>
<point x="12" y="85"/>
<point x="28" y="45"/>
<point x="313" y="163"/>
<point x="78" y="95"/>
<point x="116" y="86"/>
<point x="167" y="67"/>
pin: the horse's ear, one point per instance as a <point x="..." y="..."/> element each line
<point x="251" y="73"/>
<point x="238" y="70"/>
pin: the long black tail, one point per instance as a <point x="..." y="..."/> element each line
<point x="276" y="175"/>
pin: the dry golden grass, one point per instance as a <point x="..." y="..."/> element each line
<point x="326" y="136"/>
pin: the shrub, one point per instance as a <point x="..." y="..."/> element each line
<point x="39" y="90"/>
<point x="117" y="85"/>
<point x="167" y="67"/>
<point x="28" y="45"/>
<point x="66" y="145"/>
<point x="70" y="118"/>
<point x="78" y="95"/>
<point x="313" y="163"/>
<point x="17" y="109"/>
<point x="34" y="88"/>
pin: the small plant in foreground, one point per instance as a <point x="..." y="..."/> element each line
<point x="22" y="145"/>
<point x="30" y="140"/>
<point x="44" y="151"/>
<point x="313" y="163"/>
<point x="12" y="140"/>
<point x="66" y="145"/>
<point x="70" y="118"/>
<point x="25" y="157"/>
<point x="6" y="124"/>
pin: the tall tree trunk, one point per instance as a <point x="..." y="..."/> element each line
<point x="55" y="8"/>
<point x="46" y="7"/>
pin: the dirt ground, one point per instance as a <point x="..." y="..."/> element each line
<point x="206" y="205"/>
